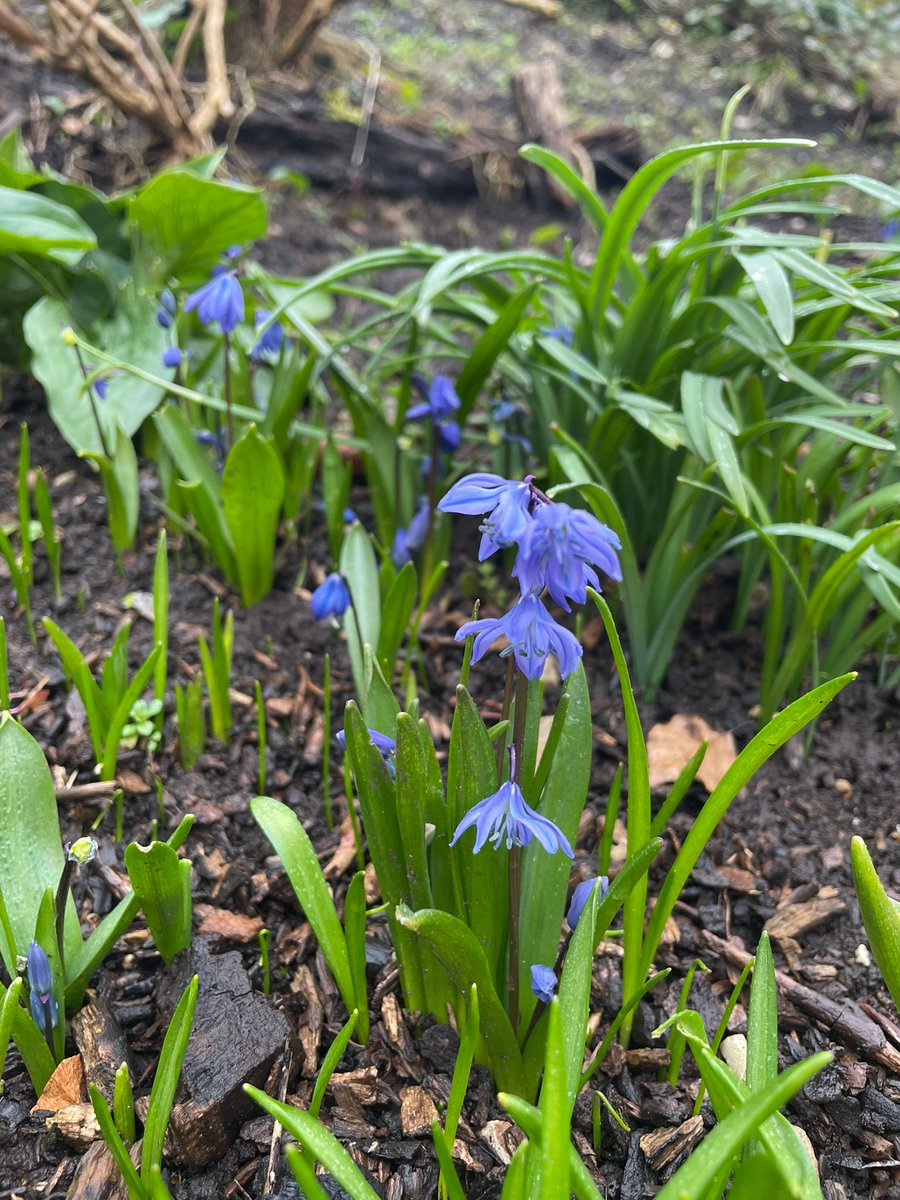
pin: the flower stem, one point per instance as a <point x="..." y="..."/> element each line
<point x="500" y="744"/>
<point x="93" y="401"/>
<point x="62" y="895"/>
<point x="229" y="420"/>
<point x="433" y="466"/>
<point x="515" y="854"/>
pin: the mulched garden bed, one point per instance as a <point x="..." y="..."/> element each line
<point x="780" y="856"/>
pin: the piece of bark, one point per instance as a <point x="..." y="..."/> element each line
<point x="231" y="926"/>
<point x="97" y="1177"/>
<point x="417" y="1112"/>
<point x="76" y="1124"/>
<point x="236" y="1038"/>
<point x="99" y="1037"/>
<point x="796" y="919"/>
<point x="538" y="100"/>
<point x="665" y="1146"/>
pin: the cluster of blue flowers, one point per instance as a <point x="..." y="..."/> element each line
<point x="40" y="989"/>
<point x="558" y="549"/>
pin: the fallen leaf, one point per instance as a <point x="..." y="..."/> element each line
<point x="64" y="1087"/>
<point x="234" y="926"/>
<point x="671" y="745"/>
<point x="131" y="782"/>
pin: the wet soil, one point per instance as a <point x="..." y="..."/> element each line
<point x="784" y="843"/>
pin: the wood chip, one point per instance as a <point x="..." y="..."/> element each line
<point x="797" y="919"/>
<point x="417" y="1112"/>
<point x="64" y="1087"/>
<point x="399" y="1037"/>
<point x="345" y="854"/>
<point x="502" y="1137"/>
<point x="131" y="782"/>
<point x="76" y="1124"/>
<point x="231" y="925"/>
<point x="671" y="745"/>
<point x="649" y="1059"/>
<point x="663" y="1146"/>
<point x="362" y="1085"/>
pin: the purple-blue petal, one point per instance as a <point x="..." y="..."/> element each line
<point x="543" y="982"/>
<point x="331" y="598"/>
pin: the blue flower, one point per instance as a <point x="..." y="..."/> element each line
<point x="580" y="897"/>
<point x="532" y="635"/>
<point x="506" y="814"/>
<point x="440" y="405"/>
<point x="219" y="300"/>
<point x="891" y="230"/>
<point x="505" y="501"/>
<point x="331" y="598"/>
<point x="543" y="982"/>
<point x="216" y="441"/>
<point x="556" y="549"/>
<point x="100" y="386"/>
<point x="165" y="314"/>
<point x="383" y="744"/>
<point x="410" y="539"/>
<point x="172" y="356"/>
<point x="561" y="333"/>
<point x="40" y="983"/>
<point x="271" y="340"/>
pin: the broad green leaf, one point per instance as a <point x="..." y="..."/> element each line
<point x="587" y="199"/>
<point x="459" y="951"/>
<point x="32" y="224"/>
<point x="880" y="916"/>
<point x="187" y="223"/>
<point x="398" y="606"/>
<point x="131" y="334"/>
<point x="252" y="492"/>
<point x="555" y="1111"/>
<point x="162" y="884"/>
<point x="574" y="998"/>
<point x="31" y="852"/>
<point x="292" y="845"/>
<point x="762" y="1020"/>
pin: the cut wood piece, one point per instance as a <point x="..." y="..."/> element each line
<point x="668" y="1145"/>
<point x="101" y="1040"/>
<point x="538" y="100"/>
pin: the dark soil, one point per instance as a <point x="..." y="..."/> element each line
<point x="784" y="842"/>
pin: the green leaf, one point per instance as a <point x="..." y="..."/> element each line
<point x="333" y="1057"/>
<point x="759" y="750"/>
<point x="319" y="1142"/>
<point x="162" y="884"/>
<point x="355" y="939"/>
<point x="120" y="486"/>
<point x="490" y="346"/>
<point x="695" y="1177"/>
<point x="762" y="1020"/>
<point x="252" y="492"/>
<point x="773" y="287"/>
<point x="528" y="1118"/>
<point x="117" y="1148"/>
<point x="165" y="1081"/>
<point x="395" y="615"/>
<point x="359" y="568"/>
<point x="187" y="222"/>
<point x="132" y="334"/>
<point x="555" y="1112"/>
<point x="123" y="711"/>
<point x="31" y="852"/>
<point x="545" y="877"/>
<point x="574" y="999"/>
<point x="32" y="224"/>
<point x="880" y="916"/>
<point x="293" y="847"/>
<point x="459" y="951"/>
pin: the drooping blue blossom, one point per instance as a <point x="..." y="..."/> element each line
<point x="505" y="413"/>
<point x="173" y="356"/>
<point x="331" y="598"/>
<point x="505" y="503"/>
<point x="580" y="897"/>
<point x="221" y="300"/>
<point x="532" y="634"/>
<point x="100" y="387"/>
<point x="440" y="405"/>
<point x="386" y="747"/>
<point x="506" y="815"/>
<point x="557" y="549"/>
<point x="543" y="982"/>
<point x="270" y="341"/>
<point x="165" y="314"/>
<point x="891" y="230"/>
<point x="40" y="984"/>
<point x="383" y="744"/>
<point x="410" y="539"/>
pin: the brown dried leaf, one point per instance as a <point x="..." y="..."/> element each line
<point x="234" y="926"/>
<point x="345" y="853"/>
<point x="131" y="782"/>
<point x="64" y="1087"/>
<point x="671" y="745"/>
